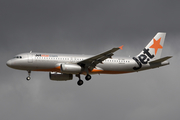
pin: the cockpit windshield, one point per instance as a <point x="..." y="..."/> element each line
<point x="18" y="57"/>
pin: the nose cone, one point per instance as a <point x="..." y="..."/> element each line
<point x="8" y="63"/>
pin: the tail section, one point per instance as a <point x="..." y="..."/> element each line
<point x="154" y="48"/>
<point x="152" y="52"/>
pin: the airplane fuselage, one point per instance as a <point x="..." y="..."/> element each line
<point x="51" y="63"/>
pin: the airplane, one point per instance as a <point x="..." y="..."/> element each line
<point x="62" y="67"/>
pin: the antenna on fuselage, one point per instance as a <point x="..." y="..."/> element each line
<point x="30" y="52"/>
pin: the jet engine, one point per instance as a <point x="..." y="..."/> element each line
<point x="60" y="76"/>
<point x="70" y="68"/>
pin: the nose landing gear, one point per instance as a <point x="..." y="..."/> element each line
<point x="28" y="77"/>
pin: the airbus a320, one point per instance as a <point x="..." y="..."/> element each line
<point x="62" y="67"/>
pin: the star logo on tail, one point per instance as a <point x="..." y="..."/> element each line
<point x="156" y="45"/>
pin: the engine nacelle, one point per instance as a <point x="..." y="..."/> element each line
<point x="70" y="68"/>
<point x="60" y="76"/>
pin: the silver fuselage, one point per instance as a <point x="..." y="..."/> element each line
<point x="51" y="63"/>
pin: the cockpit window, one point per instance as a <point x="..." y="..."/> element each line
<point x="18" y="57"/>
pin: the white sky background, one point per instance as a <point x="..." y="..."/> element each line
<point x="89" y="27"/>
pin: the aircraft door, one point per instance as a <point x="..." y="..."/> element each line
<point x="30" y="58"/>
<point x="73" y="59"/>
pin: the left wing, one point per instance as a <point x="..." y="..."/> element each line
<point x="93" y="61"/>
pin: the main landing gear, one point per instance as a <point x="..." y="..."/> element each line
<point x="80" y="82"/>
<point x="28" y="77"/>
<point x="88" y="77"/>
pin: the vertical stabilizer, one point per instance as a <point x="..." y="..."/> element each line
<point x="154" y="48"/>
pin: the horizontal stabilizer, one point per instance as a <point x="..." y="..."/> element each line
<point x="160" y="60"/>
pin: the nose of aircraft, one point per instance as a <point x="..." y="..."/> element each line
<point x="8" y="63"/>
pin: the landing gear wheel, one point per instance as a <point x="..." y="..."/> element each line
<point x="88" y="77"/>
<point x="80" y="82"/>
<point x="28" y="78"/>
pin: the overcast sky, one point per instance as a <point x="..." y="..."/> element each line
<point x="89" y="27"/>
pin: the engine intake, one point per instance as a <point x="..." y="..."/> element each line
<point x="60" y="76"/>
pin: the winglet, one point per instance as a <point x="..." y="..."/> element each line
<point x="121" y="47"/>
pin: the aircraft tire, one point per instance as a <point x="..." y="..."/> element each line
<point x="28" y="78"/>
<point x="80" y="82"/>
<point x="88" y="77"/>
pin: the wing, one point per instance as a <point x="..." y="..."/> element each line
<point x="93" y="61"/>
